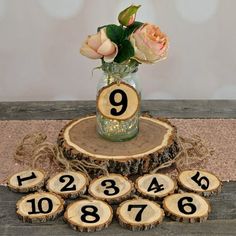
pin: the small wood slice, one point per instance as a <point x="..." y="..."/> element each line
<point x="39" y="207"/>
<point x="139" y="214"/>
<point x="155" y="186"/>
<point x="113" y="188"/>
<point x="88" y="215"/>
<point x="26" y="181"/>
<point x="199" y="181"/>
<point x="187" y="207"/>
<point x="155" y="144"/>
<point x="68" y="184"/>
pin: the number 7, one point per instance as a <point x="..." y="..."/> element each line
<point x="138" y="217"/>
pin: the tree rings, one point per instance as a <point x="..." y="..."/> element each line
<point x="68" y="184"/>
<point x="88" y="215"/>
<point x="139" y="214"/>
<point x="187" y="207"/>
<point x="113" y="188"/>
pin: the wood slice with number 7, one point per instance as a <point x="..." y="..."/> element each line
<point x="88" y="215"/>
<point x="187" y="207"/>
<point x="68" y="184"/>
<point x="199" y="181"/>
<point x="139" y="214"/>
<point x="39" y="207"/>
<point x="113" y="188"/>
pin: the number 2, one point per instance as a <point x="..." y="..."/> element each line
<point x="123" y="102"/>
<point x="67" y="187"/>
<point x="138" y="217"/>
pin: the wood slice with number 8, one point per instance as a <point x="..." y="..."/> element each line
<point x="26" y="181"/>
<point x="139" y="214"/>
<point x="113" y="188"/>
<point x="68" y="184"/>
<point x="118" y="101"/>
<point x="199" y="181"/>
<point x="88" y="215"/>
<point x="187" y="207"/>
<point x="155" y="186"/>
<point x="39" y="207"/>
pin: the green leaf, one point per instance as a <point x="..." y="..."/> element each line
<point x="129" y="30"/>
<point x="126" y="51"/>
<point x="115" y="33"/>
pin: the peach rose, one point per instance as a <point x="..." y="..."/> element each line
<point x="150" y="44"/>
<point x="99" y="46"/>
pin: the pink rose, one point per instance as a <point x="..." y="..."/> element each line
<point x="150" y="44"/>
<point x="99" y="46"/>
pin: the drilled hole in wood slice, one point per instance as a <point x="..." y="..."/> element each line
<point x="113" y="188"/>
<point x="155" y="186"/>
<point x="187" y="207"/>
<point x="139" y="214"/>
<point x="68" y="184"/>
<point x="199" y="181"/>
<point x="88" y="215"/>
<point x="39" y="207"/>
<point x="26" y="181"/>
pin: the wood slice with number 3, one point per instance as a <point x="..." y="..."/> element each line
<point x="155" y="186"/>
<point x="39" y="207"/>
<point x="139" y="214"/>
<point x="113" y="188"/>
<point x="187" y="207"/>
<point x="199" y="181"/>
<point x="68" y="184"/>
<point x="26" y="181"/>
<point x="88" y="215"/>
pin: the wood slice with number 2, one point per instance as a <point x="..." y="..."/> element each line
<point x="155" y="144"/>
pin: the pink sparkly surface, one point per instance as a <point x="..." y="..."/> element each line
<point x="219" y="134"/>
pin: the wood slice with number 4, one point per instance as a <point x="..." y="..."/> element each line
<point x="88" y="215"/>
<point x="39" y="207"/>
<point x="139" y="214"/>
<point x="187" y="207"/>
<point x="155" y="186"/>
<point x="113" y="188"/>
<point x="199" y="181"/>
<point x="68" y="184"/>
<point x="26" y="181"/>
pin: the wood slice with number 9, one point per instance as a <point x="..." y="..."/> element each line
<point x="88" y="215"/>
<point x="113" y="188"/>
<point x="187" y="207"/>
<point x="68" y="184"/>
<point x="155" y="186"/>
<point x="39" y="207"/>
<point x="118" y="101"/>
<point x="139" y="214"/>
<point x="199" y="181"/>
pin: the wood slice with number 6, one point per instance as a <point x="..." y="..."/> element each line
<point x="139" y="214"/>
<point x="68" y="184"/>
<point x="199" y="181"/>
<point x="187" y="207"/>
<point x="155" y="186"/>
<point x="39" y="207"/>
<point x="26" y="181"/>
<point x="88" y="215"/>
<point x="113" y="188"/>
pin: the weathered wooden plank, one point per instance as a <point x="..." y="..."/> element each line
<point x="164" y="108"/>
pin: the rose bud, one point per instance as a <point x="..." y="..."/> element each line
<point x="127" y="16"/>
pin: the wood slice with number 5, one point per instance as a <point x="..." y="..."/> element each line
<point x="187" y="207"/>
<point x="26" y="181"/>
<point x="113" y="188"/>
<point x="68" y="184"/>
<point x="88" y="215"/>
<point x="118" y="101"/>
<point x="199" y="181"/>
<point x="39" y="207"/>
<point x="139" y="214"/>
<point x="155" y="186"/>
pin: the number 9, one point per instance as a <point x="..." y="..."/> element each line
<point x="123" y="102"/>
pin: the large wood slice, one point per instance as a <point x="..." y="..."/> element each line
<point x="155" y="144"/>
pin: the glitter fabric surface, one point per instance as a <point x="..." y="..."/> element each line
<point x="219" y="134"/>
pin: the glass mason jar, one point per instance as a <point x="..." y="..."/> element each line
<point x="115" y="129"/>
